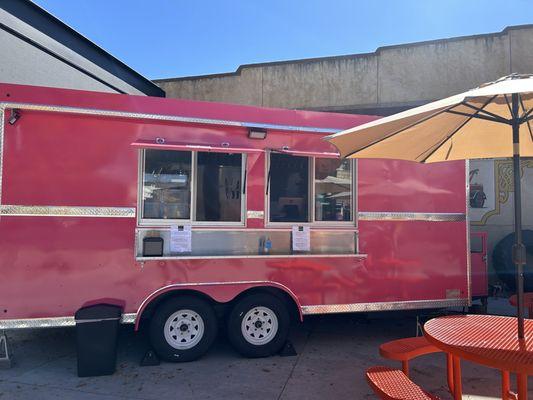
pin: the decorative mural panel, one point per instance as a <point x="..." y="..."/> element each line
<point x="491" y="182"/>
<point x="482" y="190"/>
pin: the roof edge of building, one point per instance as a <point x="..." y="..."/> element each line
<point x="40" y="19"/>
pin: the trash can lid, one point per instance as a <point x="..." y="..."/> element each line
<point x="98" y="312"/>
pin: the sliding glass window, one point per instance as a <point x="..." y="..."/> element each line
<point x="289" y="188"/>
<point x="191" y="186"/>
<point x="333" y="189"/>
<point x="219" y="187"/>
<point x="167" y="184"/>
<point x="306" y="189"/>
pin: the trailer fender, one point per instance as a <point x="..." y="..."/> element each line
<point x="221" y="292"/>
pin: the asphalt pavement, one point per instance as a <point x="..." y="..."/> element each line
<point x="332" y="354"/>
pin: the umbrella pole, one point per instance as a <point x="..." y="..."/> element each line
<point x="519" y="250"/>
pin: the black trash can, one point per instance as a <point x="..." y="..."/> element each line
<point x="96" y="339"/>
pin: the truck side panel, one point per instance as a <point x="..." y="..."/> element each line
<point x="78" y="177"/>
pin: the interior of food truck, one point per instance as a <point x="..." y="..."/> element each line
<point x="198" y="186"/>
<point x="294" y="180"/>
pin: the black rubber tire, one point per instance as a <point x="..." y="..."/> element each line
<point x="237" y="314"/>
<point x="157" y="337"/>
<point x="502" y="260"/>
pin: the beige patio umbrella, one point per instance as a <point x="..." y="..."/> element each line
<point x="490" y="121"/>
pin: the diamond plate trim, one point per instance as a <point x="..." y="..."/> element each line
<point x="384" y="306"/>
<point x="162" y="117"/>
<point x="67" y="211"/>
<point x="411" y="216"/>
<point x="2" y="121"/>
<point x="260" y="214"/>
<point x="128" y="318"/>
<point x="467" y="210"/>
<point x="54" y="322"/>
<point x="57" y="322"/>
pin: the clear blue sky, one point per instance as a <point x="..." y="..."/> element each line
<point x="171" y="38"/>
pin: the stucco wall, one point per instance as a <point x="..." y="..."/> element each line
<point x="394" y="76"/>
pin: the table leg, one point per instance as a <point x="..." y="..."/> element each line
<point x="521" y="383"/>
<point x="506" y="385"/>
<point x="405" y="367"/>
<point x="458" y="387"/>
<point x="449" y="370"/>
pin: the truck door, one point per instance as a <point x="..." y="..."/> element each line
<point x="478" y="264"/>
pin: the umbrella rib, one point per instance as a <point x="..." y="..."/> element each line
<point x="439" y="144"/>
<point x="527" y="120"/>
<point x="461" y="125"/>
<point x="487" y="113"/>
<point x="521" y="103"/>
<point x="399" y="131"/>
<point x="450" y="148"/>
<point x="526" y="116"/>
<point x="475" y="115"/>
<point x="508" y="105"/>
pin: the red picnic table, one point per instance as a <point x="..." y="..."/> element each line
<point x="487" y="340"/>
<point x="528" y="302"/>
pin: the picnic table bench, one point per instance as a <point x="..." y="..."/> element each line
<point x="406" y="349"/>
<point x="393" y="384"/>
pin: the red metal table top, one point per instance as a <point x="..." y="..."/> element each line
<point x="528" y="299"/>
<point x="484" y="339"/>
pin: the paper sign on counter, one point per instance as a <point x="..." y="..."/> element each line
<point x="301" y="238"/>
<point x="180" y="239"/>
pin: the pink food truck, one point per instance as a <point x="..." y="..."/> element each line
<point x="186" y="213"/>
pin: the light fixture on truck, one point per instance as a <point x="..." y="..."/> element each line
<point x="15" y="115"/>
<point x="255" y="133"/>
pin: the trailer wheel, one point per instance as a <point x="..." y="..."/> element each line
<point x="182" y="329"/>
<point x="258" y="325"/>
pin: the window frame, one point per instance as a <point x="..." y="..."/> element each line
<point x="141" y="221"/>
<point x="352" y="223"/>
<point x="353" y="203"/>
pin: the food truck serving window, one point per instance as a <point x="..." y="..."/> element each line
<point x="306" y="189"/>
<point x="193" y="186"/>
<point x="167" y="184"/>
<point x="333" y="189"/>
<point x="289" y="188"/>
<point x="218" y="187"/>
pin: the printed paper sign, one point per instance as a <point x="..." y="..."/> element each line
<point x="180" y="239"/>
<point x="301" y="238"/>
